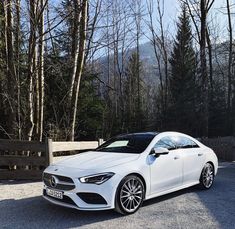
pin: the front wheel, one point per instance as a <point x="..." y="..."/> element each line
<point x="207" y="176"/>
<point x="130" y="195"/>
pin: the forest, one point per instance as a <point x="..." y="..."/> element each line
<point x="89" y="69"/>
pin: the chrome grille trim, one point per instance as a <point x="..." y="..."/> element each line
<point x="64" y="183"/>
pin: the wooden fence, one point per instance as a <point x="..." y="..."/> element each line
<point x="224" y="147"/>
<point x="20" y="160"/>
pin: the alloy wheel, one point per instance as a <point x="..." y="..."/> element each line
<point x="131" y="195"/>
<point x="208" y="175"/>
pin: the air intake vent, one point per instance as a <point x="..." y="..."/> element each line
<point x="91" y="198"/>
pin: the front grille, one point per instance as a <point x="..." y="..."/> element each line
<point x="91" y="198"/>
<point x="64" y="183"/>
<point x="66" y="199"/>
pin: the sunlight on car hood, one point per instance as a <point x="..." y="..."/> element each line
<point x="96" y="160"/>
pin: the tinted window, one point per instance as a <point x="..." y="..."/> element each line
<point x="184" y="142"/>
<point x="133" y="143"/>
<point x="166" y="142"/>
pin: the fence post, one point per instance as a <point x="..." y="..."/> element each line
<point x="49" y="151"/>
<point x="100" y="141"/>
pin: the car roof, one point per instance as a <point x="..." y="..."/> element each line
<point x="153" y="134"/>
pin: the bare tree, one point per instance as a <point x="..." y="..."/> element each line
<point x="41" y="44"/>
<point x="163" y="45"/>
<point x="74" y="45"/>
<point x="203" y="69"/>
<point x="36" y="68"/>
<point x="31" y="67"/>
<point x="230" y="59"/>
<point x="10" y="65"/>
<point x="137" y="19"/>
<point x="200" y="9"/>
<point x="92" y="28"/>
<point x="118" y="37"/>
<point x="154" y="40"/>
<point x="210" y="57"/>
<point x="158" y="39"/>
<point x="78" y="68"/>
<point x="17" y="61"/>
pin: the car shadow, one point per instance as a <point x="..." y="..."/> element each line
<point x="36" y="211"/>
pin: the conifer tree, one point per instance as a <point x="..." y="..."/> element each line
<point x="133" y="110"/>
<point x="182" y="81"/>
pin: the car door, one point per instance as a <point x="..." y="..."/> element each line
<point x="192" y="156"/>
<point x="166" y="170"/>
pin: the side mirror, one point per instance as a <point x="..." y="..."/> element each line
<point x="159" y="151"/>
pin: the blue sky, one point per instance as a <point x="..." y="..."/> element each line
<point x="172" y="9"/>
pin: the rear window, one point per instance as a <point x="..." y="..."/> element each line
<point x="184" y="142"/>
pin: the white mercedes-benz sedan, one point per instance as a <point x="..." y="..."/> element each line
<point x="128" y="169"/>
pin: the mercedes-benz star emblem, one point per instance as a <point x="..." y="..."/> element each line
<point x="53" y="181"/>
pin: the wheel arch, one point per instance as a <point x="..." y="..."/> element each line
<point x="141" y="178"/>
<point x="116" y="203"/>
<point x="210" y="162"/>
<point x="202" y="185"/>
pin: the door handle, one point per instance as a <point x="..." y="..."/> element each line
<point x="200" y="154"/>
<point x="176" y="157"/>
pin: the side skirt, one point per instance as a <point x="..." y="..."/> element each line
<point x="171" y="190"/>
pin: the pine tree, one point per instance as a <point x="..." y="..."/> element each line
<point x="134" y="105"/>
<point x="182" y="81"/>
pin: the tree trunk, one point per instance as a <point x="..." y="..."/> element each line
<point x="157" y="54"/>
<point x="31" y="68"/>
<point x="210" y="58"/>
<point x="138" y="31"/>
<point x="79" y="67"/>
<point x="75" y="48"/>
<point x="17" y="59"/>
<point x="11" y="71"/>
<point x="229" y="95"/>
<point x="204" y="77"/>
<point x="41" y="69"/>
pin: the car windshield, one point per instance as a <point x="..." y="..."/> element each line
<point x="131" y="143"/>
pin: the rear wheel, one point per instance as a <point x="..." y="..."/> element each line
<point x="207" y="176"/>
<point x="130" y="195"/>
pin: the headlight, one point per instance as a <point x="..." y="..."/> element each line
<point x="99" y="178"/>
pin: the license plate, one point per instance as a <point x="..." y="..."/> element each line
<point x="54" y="193"/>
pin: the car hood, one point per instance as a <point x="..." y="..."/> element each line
<point x="96" y="160"/>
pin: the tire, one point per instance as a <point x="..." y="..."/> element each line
<point x="207" y="176"/>
<point x="130" y="195"/>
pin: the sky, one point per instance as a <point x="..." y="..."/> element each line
<point x="172" y="9"/>
<point x="171" y="13"/>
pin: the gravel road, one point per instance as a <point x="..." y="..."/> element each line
<point x="21" y="206"/>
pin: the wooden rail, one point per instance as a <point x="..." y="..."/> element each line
<point x="20" y="160"/>
<point x="224" y="147"/>
<point x="68" y="146"/>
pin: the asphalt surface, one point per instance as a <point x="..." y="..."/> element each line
<point x="21" y="206"/>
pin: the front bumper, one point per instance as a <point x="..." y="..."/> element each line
<point x="76" y="206"/>
<point x="72" y="198"/>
